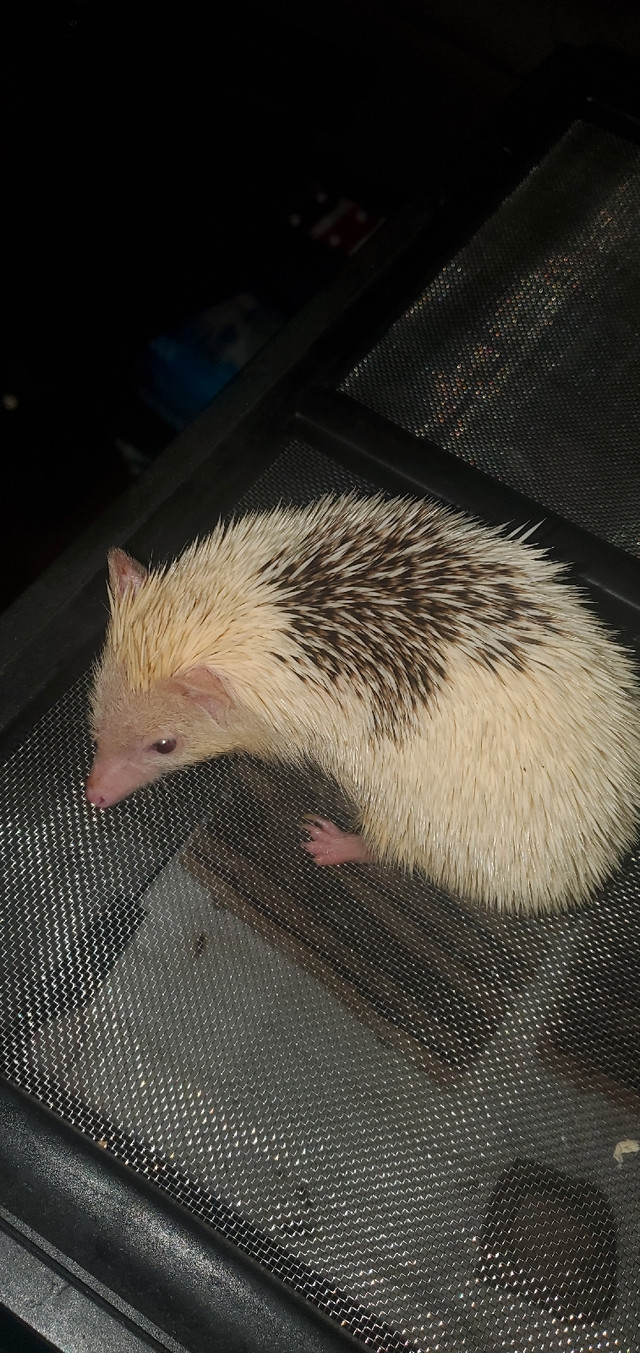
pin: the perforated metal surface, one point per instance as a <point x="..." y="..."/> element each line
<point x="373" y="1089"/>
<point x="523" y="355"/>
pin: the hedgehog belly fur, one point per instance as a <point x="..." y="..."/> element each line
<point x="517" y="788"/>
<point x="519" y="792"/>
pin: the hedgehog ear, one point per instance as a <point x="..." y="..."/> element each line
<point x="204" y="688"/>
<point x="124" y="572"/>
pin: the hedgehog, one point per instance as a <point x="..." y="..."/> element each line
<point x="482" y="721"/>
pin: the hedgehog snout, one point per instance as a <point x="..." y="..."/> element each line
<point x="95" y="793"/>
<point x="113" y="777"/>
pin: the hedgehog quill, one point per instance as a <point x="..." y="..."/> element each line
<point x="482" y="720"/>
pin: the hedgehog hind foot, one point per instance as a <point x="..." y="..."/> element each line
<point x="330" y="845"/>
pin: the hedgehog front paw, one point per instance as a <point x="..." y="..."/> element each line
<point x="330" y="845"/>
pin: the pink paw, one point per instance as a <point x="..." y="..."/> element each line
<point x="330" y="845"/>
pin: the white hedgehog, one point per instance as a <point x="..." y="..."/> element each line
<point x="481" y="719"/>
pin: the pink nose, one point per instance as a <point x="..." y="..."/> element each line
<point x="94" y="796"/>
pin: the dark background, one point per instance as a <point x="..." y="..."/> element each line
<point x="156" y="160"/>
<point x="15" y="1337"/>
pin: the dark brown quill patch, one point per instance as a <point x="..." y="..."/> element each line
<point x="381" y="608"/>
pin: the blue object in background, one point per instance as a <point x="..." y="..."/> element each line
<point x="183" y="370"/>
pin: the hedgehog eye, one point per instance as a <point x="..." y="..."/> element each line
<point x="164" y="746"/>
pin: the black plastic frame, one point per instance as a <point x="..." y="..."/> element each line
<point x="143" y="1246"/>
<point x="122" y="1232"/>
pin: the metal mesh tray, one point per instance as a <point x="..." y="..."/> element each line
<point x="371" y="1088"/>
<point x="522" y="356"/>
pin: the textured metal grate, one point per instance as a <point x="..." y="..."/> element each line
<point x="522" y="357"/>
<point x="373" y="1089"/>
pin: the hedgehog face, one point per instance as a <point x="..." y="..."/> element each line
<point x="142" y="735"/>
